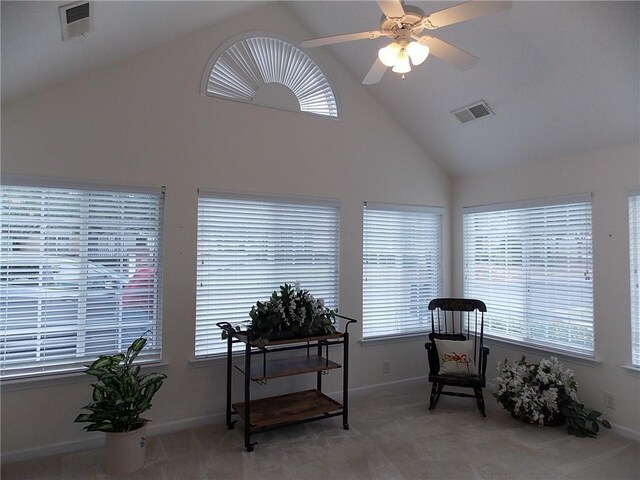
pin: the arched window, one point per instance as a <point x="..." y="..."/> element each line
<point x="265" y="70"/>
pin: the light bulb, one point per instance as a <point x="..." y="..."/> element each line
<point x="389" y="54"/>
<point x="417" y="52"/>
<point x="402" y="64"/>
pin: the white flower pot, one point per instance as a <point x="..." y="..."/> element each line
<point x="125" y="451"/>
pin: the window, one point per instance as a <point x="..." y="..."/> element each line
<point x="80" y="276"/>
<point x="402" y="268"/>
<point x="531" y="263"/>
<point x="248" y="247"/>
<point x="268" y="71"/>
<point x="634" y="253"/>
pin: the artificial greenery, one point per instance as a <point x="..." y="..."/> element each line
<point x="543" y="393"/>
<point x="290" y="311"/>
<point x="582" y="421"/>
<point x="121" y="393"/>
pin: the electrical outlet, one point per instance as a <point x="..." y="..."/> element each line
<point x="386" y="366"/>
<point x="609" y="400"/>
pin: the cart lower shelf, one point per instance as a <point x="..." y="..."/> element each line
<point x="289" y="408"/>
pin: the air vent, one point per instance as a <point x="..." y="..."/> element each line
<point x="471" y="112"/>
<point x="75" y="19"/>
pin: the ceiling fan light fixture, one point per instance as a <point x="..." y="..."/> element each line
<point x="402" y="63"/>
<point x="417" y="53"/>
<point x="388" y="55"/>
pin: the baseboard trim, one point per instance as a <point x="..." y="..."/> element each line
<point x="625" y="432"/>
<point x="97" y="440"/>
<point x="160" y="428"/>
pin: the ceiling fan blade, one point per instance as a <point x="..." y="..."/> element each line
<point x="464" y="11"/>
<point x="391" y="8"/>
<point x="448" y="53"/>
<point x="375" y="73"/>
<point x="346" y="37"/>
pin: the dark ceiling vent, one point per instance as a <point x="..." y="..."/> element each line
<point x="75" y="19"/>
<point x="471" y="112"/>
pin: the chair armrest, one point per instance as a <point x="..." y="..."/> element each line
<point x="432" y="355"/>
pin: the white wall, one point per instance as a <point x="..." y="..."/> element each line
<point x="608" y="175"/>
<point x="143" y="122"/>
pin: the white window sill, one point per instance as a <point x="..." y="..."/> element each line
<point x="632" y="369"/>
<point x="59" y="379"/>
<point x="587" y="360"/>
<point x="412" y="337"/>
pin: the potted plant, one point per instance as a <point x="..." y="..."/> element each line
<point x="290" y="312"/>
<point x="546" y="394"/>
<point x="120" y="396"/>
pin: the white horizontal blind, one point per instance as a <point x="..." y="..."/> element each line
<point x="248" y="247"/>
<point x="248" y="64"/>
<point x="402" y="268"/>
<point x="80" y="276"/>
<point x="532" y="266"/>
<point x="634" y="251"/>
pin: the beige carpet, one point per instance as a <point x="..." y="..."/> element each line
<point x="392" y="436"/>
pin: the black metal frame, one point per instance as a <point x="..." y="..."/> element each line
<point x="457" y="319"/>
<point x="251" y="349"/>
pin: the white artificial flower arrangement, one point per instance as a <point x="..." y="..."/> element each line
<point x="291" y="311"/>
<point x="546" y="394"/>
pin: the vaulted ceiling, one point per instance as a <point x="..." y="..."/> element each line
<point x="562" y="78"/>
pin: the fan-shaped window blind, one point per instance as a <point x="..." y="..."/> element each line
<point x="634" y="251"/>
<point x="531" y="263"/>
<point x="245" y="69"/>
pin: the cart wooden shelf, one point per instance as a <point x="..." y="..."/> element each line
<point x="292" y="408"/>
<point x="289" y="408"/>
<point x="285" y="367"/>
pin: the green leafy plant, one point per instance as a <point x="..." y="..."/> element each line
<point x="121" y="394"/>
<point x="545" y="393"/>
<point x="292" y="311"/>
<point x="582" y="421"/>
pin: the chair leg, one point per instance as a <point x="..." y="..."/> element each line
<point x="434" y="396"/>
<point x="480" y="400"/>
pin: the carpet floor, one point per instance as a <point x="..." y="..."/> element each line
<point x="392" y="436"/>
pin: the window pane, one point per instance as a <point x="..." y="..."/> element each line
<point x="533" y="269"/>
<point x="79" y="276"/>
<point x="634" y="251"/>
<point x="402" y="269"/>
<point x="247" y="247"/>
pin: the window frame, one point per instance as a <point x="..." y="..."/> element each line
<point x="401" y="213"/>
<point x="528" y="258"/>
<point x="634" y="275"/>
<point x="217" y="352"/>
<point x="68" y="368"/>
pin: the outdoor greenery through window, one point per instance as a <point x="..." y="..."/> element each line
<point x="634" y="253"/>
<point x="79" y="277"/>
<point x="402" y="268"/>
<point x="248" y="247"/>
<point x="531" y="263"/>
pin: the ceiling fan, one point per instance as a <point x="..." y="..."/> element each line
<point x="404" y="24"/>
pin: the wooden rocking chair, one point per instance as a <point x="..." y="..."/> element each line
<point x="457" y="326"/>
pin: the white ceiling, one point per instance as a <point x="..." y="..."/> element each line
<point x="563" y="78"/>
